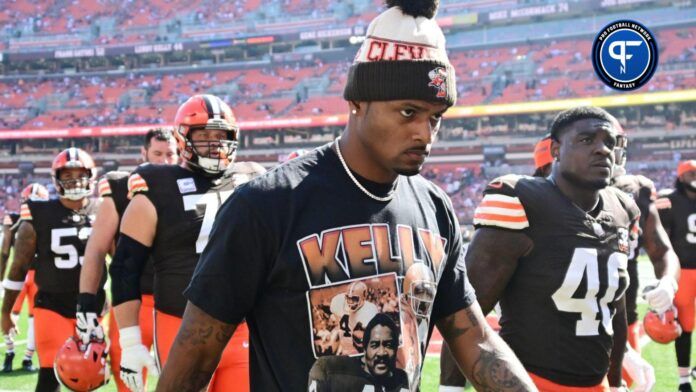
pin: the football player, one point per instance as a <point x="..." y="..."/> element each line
<point x="678" y="213"/>
<point x="56" y="231"/>
<point x="538" y="240"/>
<point x="159" y="148"/>
<point x="651" y="235"/>
<point x="169" y="218"/>
<point x="32" y="192"/>
<point x="353" y="311"/>
<point x="350" y="210"/>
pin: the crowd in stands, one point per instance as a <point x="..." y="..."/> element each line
<point x="139" y="21"/>
<point x="561" y="70"/>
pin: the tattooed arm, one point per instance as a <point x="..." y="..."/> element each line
<point x="196" y="351"/>
<point x="484" y="357"/>
<point x="25" y="248"/>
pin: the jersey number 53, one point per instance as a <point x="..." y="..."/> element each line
<point x="67" y="256"/>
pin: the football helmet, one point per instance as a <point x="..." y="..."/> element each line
<point x="542" y="153"/>
<point x="686" y="166"/>
<point x="683" y="168"/>
<point x="662" y="328"/>
<point x="356" y="297"/>
<point x="419" y="287"/>
<point x="81" y="367"/>
<point x="74" y="158"/>
<point x="206" y="112"/>
<point x="34" y="192"/>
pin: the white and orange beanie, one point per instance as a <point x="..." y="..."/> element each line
<point x="403" y="57"/>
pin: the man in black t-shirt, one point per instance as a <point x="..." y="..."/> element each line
<point x="159" y="148"/>
<point x="286" y="243"/>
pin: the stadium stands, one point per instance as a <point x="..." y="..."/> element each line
<point x="512" y="73"/>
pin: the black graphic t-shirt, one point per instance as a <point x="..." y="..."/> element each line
<point x="318" y="269"/>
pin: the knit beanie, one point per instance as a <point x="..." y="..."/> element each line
<point x="403" y="57"/>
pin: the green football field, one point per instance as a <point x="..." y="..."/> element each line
<point x="660" y="356"/>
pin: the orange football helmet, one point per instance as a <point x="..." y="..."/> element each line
<point x="74" y="158"/>
<point x="80" y="367"/>
<point x="34" y="191"/>
<point x="542" y="153"/>
<point x="206" y="112"/>
<point x="662" y="328"/>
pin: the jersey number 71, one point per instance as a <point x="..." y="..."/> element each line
<point x="210" y="202"/>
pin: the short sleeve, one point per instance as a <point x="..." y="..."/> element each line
<point x="25" y="213"/>
<point x="7" y="220"/>
<point x="501" y="207"/>
<point x="454" y="292"/>
<point x="233" y="268"/>
<point x="104" y="188"/>
<point x="137" y="184"/>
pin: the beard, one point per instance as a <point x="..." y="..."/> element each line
<point x="690" y="186"/>
<point x="408" y="172"/>
<point x="588" y="184"/>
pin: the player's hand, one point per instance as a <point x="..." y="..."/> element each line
<point x="8" y="324"/>
<point x="88" y="327"/>
<point x="642" y="373"/>
<point x="660" y="298"/>
<point x="134" y="357"/>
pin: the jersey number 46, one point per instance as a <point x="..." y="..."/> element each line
<point x="584" y="264"/>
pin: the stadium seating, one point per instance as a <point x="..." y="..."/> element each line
<point x="512" y="73"/>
